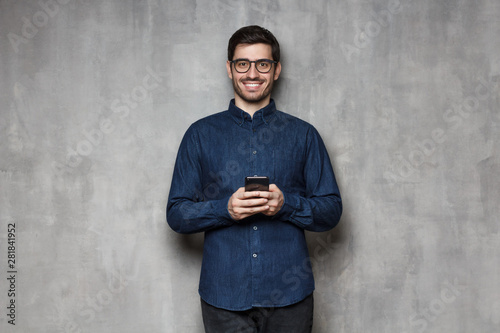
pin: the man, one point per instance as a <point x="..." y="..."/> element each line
<point x="256" y="274"/>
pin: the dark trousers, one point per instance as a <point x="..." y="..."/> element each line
<point x="295" y="318"/>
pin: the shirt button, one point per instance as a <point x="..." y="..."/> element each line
<point x="255" y="152"/>
<point x="254" y="255"/>
<point x="254" y="227"/>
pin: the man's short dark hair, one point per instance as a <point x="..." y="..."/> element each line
<point x="253" y="34"/>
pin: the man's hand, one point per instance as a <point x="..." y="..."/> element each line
<point x="275" y="197"/>
<point x="244" y="204"/>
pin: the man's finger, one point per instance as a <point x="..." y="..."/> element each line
<point x="246" y="195"/>
<point x="254" y="203"/>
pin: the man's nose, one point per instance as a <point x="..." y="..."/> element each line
<point x="253" y="72"/>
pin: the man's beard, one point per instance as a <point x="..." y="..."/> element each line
<point x="253" y="98"/>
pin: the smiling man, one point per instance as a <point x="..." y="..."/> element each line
<point x="253" y="84"/>
<point x="256" y="273"/>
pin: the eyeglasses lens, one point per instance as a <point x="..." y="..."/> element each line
<point x="242" y="66"/>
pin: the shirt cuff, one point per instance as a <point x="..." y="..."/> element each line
<point x="221" y="212"/>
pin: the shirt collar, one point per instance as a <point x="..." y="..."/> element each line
<point x="263" y="114"/>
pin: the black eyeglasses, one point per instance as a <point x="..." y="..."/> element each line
<point x="262" y="65"/>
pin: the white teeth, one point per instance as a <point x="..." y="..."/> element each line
<point x="252" y="85"/>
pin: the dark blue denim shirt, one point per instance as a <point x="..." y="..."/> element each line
<point x="260" y="261"/>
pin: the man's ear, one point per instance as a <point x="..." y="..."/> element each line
<point x="277" y="71"/>
<point x="229" y="72"/>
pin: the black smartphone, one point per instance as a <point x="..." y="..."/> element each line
<point x="257" y="183"/>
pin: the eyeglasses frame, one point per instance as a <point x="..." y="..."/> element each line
<point x="255" y="62"/>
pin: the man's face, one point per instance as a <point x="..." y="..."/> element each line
<point x="253" y="87"/>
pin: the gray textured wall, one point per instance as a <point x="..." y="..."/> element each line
<point x="96" y="95"/>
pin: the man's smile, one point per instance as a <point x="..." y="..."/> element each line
<point x="252" y="84"/>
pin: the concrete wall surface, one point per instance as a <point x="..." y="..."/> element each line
<point x="95" y="97"/>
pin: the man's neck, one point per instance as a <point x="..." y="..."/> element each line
<point x="249" y="107"/>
